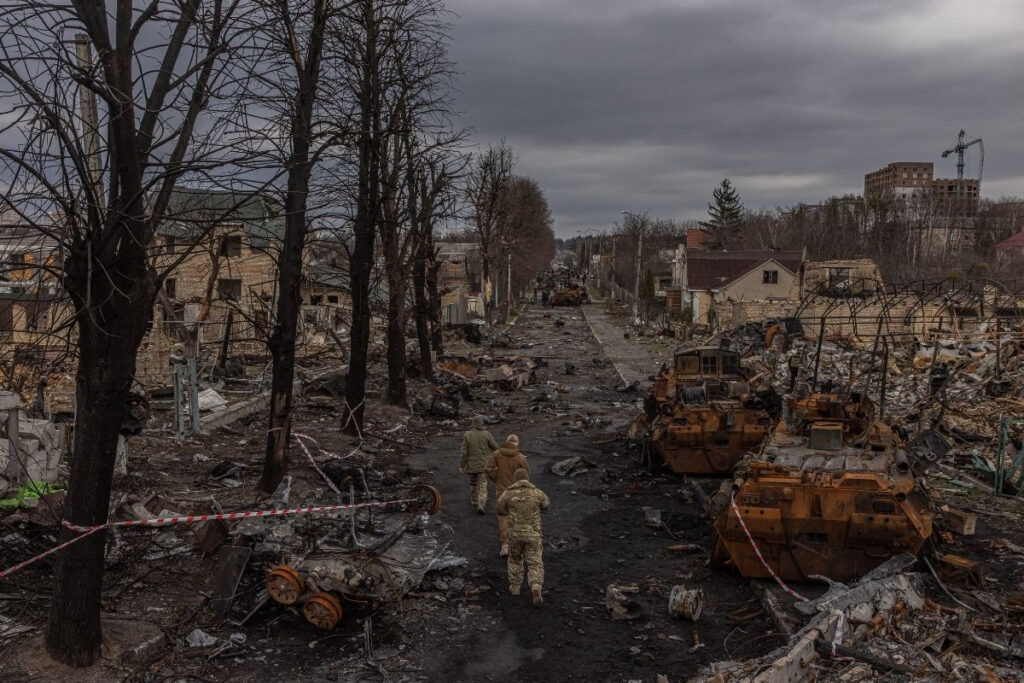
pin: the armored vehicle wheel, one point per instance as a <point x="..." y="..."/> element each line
<point x="323" y="611"/>
<point x="284" y="585"/>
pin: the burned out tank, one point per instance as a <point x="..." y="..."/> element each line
<point x="832" y="493"/>
<point x="573" y="295"/>
<point x="701" y="415"/>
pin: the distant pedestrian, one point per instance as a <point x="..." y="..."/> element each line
<point x="794" y="368"/>
<point x="500" y="469"/>
<point x="477" y="445"/>
<point x="523" y="503"/>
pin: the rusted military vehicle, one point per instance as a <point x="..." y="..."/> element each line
<point x="573" y="295"/>
<point x="700" y="414"/>
<point x="832" y="493"/>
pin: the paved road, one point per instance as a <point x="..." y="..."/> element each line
<point x="594" y="532"/>
<point x="634" y="361"/>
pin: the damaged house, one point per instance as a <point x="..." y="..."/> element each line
<point x="709" y="279"/>
<point x="459" y="281"/>
<point x="225" y="286"/>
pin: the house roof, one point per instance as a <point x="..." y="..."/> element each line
<point x="717" y="269"/>
<point x="193" y="209"/>
<point x="1013" y="242"/>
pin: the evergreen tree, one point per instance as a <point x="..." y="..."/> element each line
<point x="725" y="214"/>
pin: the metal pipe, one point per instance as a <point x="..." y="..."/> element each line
<point x="817" y="355"/>
<point x="885" y="377"/>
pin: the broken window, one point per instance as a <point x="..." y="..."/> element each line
<point x="770" y="277"/>
<point x="171" y="288"/>
<point x="332" y="298"/>
<point x="686" y="365"/>
<point x="231" y="245"/>
<point x="230" y="289"/>
<point x="838" y="276"/>
<point x="730" y="364"/>
<point x="170" y="244"/>
<point x="316" y="299"/>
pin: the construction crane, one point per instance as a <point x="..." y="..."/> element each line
<point x="959" y="150"/>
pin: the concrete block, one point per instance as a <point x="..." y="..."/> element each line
<point x="9" y="400"/>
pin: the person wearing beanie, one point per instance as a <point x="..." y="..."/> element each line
<point x="522" y="504"/>
<point x="500" y="469"/>
<point x="477" y="445"/>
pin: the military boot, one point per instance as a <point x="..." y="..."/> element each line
<point x="538" y="599"/>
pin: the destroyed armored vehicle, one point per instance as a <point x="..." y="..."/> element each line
<point x="573" y="295"/>
<point x="701" y="414"/>
<point x="831" y="494"/>
<point x="380" y="569"/>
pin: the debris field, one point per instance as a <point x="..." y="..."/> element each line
<point x="394" y="577"/>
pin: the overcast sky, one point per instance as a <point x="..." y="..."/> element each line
<point x="648" y="104"/>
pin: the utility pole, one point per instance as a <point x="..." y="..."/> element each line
<point x="90" y="118"/>
<point x="636" y="282"/>
<point x="508" y="291"/>
<point x="613" y="262"/>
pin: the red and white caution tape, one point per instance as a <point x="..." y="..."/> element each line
<point x="192" y="519"/>
<point x="86" y="531"/>
<point x="49" y="552"/>
<point x="837" y="639"/>
<point x="757" y="551"/>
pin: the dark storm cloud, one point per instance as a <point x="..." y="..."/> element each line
<point x="646" y="105"/>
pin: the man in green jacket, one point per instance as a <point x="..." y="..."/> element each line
<point x="477" y="446"/>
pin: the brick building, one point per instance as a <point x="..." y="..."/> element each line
<point x="916" y="179"/>
<point x="902" y="179"/>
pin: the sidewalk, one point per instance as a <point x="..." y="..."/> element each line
<point x="634" y="361"/>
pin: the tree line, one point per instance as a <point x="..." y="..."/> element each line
<point x="917" y="238"/>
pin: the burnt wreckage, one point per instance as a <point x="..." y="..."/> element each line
<point x="701" y="414"/>
<point x="832" y="493"/>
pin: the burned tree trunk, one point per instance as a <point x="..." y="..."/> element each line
<point x="365" y="224"/>
<point x="396" y="393"/>
<point x="419" y="286"/>
<point x="282" y="339"/>
<point x="109" y="334"/>
<point x="434" y="303"/>
<point x="289" y="298"/>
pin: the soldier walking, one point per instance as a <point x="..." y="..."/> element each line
<point x="500" y="468"/>
<point x="523" y="502"/>
<point x="477" y="445"/>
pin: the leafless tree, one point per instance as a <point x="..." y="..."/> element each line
<point x="101" y="186"/>
<point x="489" y="176"/>
<point x="524" y="236"/>
<point x="293" y="35"/>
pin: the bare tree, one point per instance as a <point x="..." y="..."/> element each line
<point x="486" y="182"/>
<point x="103" y="195"/>
<point x="364" y="33"/>
<point x="295" y="35"/>
<point x="524" y="236"/>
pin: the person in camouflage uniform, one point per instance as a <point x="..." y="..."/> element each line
<point x="523" y="502"/>
<point x="477" y="446"/>
<point x="501" y="468"/>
